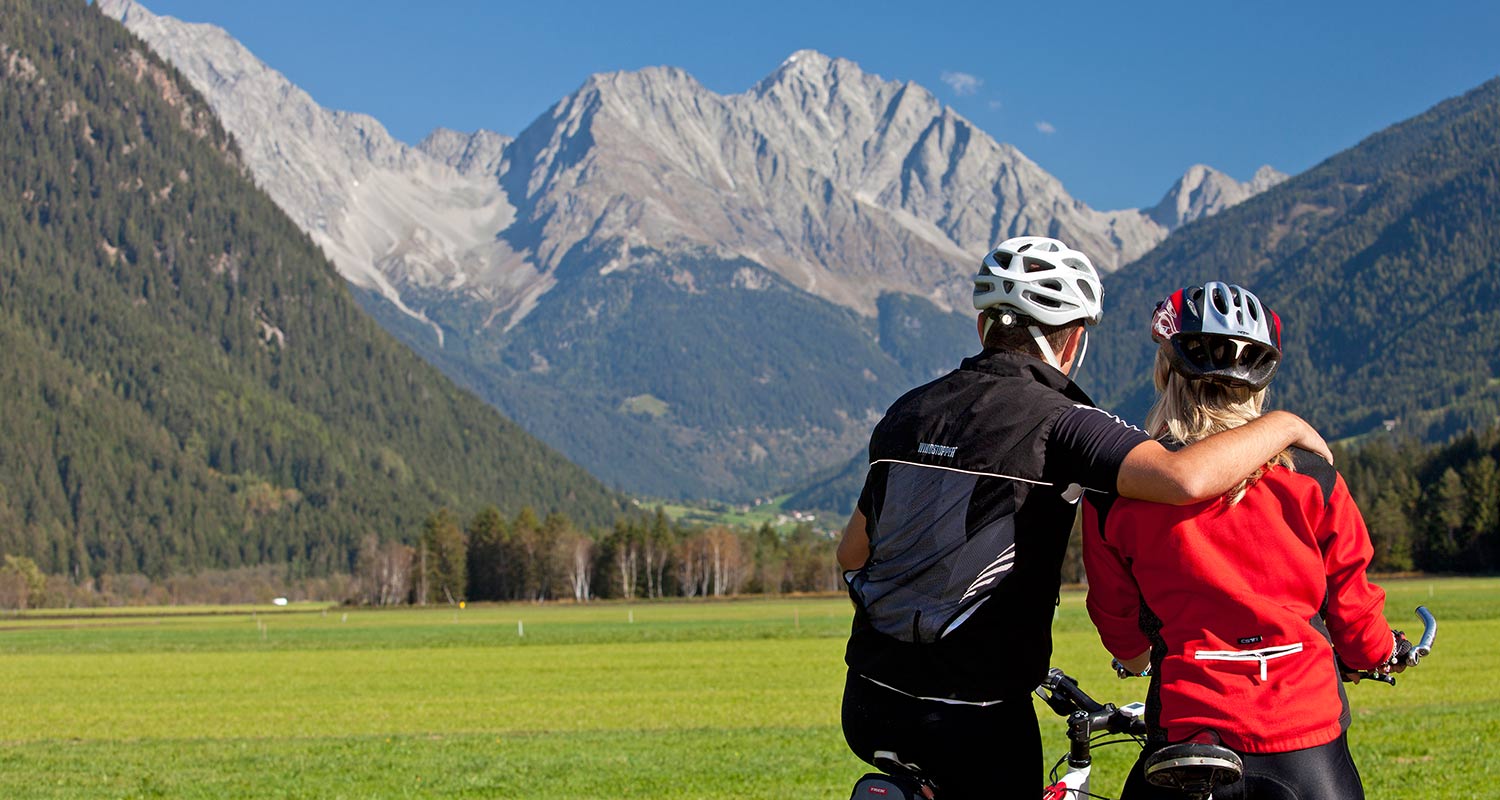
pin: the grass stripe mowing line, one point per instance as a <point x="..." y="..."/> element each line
<point x="751" y="763"/>
<point x="433" y="628"/>
<point x="712" y="700"/>
<point x="453" y="690"/>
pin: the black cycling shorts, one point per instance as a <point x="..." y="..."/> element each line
<point x="969" y="751"/>
<point x="1325" y="772"/>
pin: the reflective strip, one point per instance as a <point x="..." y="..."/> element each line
<point x="964" y="617"/>
<point x="956" y="469"/>
<point x="1111" y="416"/>
<point x="1001" y="564"/>
<point x="1262" y="655"/>
<point x="950" y="701"/>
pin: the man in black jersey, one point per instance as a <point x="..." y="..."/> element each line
<point x="954" y="553"/>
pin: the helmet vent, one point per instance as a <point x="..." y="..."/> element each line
<point x="1221" y="302"/>
<point x="1042" y="279"/>
<point x="1043" y="300"/>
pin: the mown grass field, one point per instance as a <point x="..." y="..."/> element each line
<point x="733" y="699"/>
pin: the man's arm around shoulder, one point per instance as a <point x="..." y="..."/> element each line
<point x="1210" y="467"/>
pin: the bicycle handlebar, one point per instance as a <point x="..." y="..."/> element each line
<point x="1411" y="654"/>
<point x="1429" y="633"/>
<point x="1063" y="695"/>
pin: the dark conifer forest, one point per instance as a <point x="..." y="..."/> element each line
<point x="185" y="381"/>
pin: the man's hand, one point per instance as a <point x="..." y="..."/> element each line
<point x="1308" y="437"/>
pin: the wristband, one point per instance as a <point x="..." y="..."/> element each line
<point x="1123" y="673"/>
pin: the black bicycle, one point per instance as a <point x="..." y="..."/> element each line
<point x="1195" y="767"/>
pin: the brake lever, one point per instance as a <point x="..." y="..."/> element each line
<point x="1376" y="676"/>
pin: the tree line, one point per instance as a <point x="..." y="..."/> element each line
<point x="1430" y="507"/>
<point x="1433" y="508"/>
<point x="647" y="556"/>
<point x="489" y="557"/>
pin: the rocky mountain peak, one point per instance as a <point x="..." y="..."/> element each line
<point x="801" y="66"/>
<point x="477" y="153"/>
<point x="1203" y="191"/>
<point x="837" y="188"/>
<point x="1266" y="177"/>
<point x="122" y="10"/>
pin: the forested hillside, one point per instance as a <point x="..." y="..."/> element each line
<point x="1384" y="263"/>
<point x="186" y="381"/>
<point x="1430" y="507"/>
<point x="697" y="375"/>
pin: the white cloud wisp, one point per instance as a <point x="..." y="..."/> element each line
<point x="962" y="83"/>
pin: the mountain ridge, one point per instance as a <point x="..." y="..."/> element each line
<point x="1381" y="262"/>
<point x="837" y="186"/>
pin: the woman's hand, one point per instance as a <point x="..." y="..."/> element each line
<point x="1138" y="666"/>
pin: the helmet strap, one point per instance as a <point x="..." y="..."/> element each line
<point x="1083" y="349"/>
<point x="1043" y="345"/>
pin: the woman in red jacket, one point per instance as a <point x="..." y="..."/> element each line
<point x="1235" y="606"/>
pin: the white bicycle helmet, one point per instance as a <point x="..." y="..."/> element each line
<point x="1221" y="333"/>
<point x="1034" y="280"/>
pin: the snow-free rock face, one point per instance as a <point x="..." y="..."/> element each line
<point x="844" y="183"/>
<point x="847" y="184"/>
<point x="387" y="214"/>
<point x="477" y="153"/>
<point x="591" y="275"/>
<point x="1204" y="191"/>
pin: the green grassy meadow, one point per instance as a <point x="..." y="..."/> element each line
<point x="662" y="700"/>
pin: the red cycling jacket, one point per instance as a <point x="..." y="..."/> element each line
<point x="1233" y="600"/>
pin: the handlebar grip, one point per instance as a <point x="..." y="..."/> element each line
<point x="1406" y="654"/>
<point x="1429" y="632"/>
<point x="1063" y="695"/>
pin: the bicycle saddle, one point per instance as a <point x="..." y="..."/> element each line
<point x="901" y="781"/>
<point x="1193" y="767"/>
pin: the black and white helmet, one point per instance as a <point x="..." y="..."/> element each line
<point x="1221" y="333"/>
<point x="1042" y="279"/>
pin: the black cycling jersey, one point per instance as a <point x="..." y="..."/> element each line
<point x="1087" y="447"/>
<point x="969" y="502"/>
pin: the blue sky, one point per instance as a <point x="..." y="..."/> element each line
<point x="1117" y="99"/>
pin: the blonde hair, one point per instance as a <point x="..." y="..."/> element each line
<point x="1187" y="410"/>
